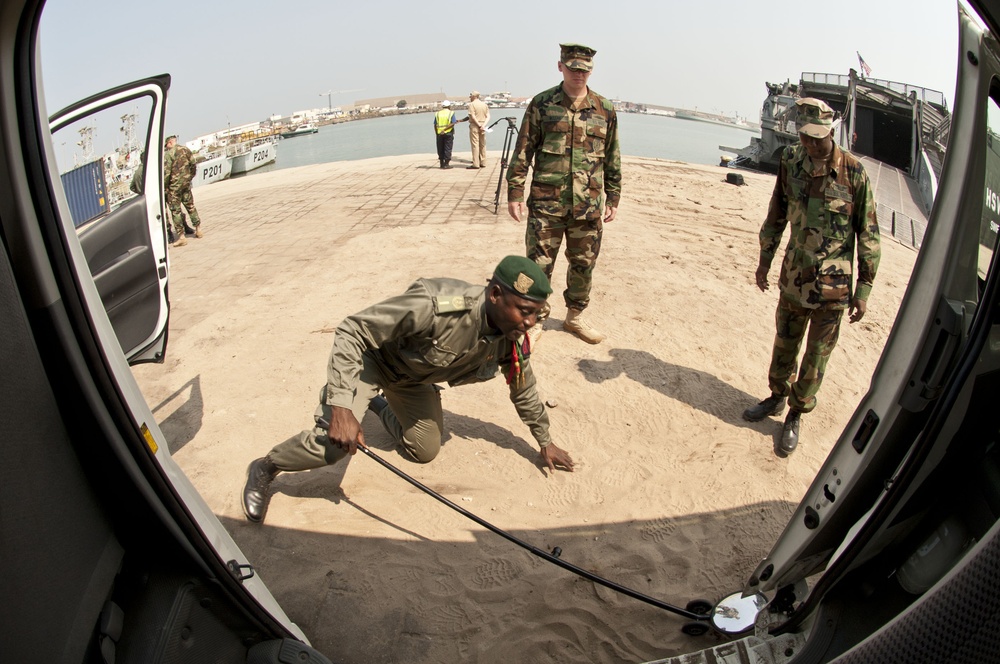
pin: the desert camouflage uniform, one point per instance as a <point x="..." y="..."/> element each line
<point x="574" y="153"/>
<point x="828" y="212"/>
<point x="178" y="171"/>
<point x="435" y="332"/>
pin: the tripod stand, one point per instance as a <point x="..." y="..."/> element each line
<point x="508" y="142"/>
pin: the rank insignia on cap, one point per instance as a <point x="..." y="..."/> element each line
<point x="522" y="277"/>
<point x="523" y="283"/>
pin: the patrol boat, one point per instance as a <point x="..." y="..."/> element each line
<point x="301" y="130"/>
<point x="215" y="167"/>
<point x="254" y="153"/>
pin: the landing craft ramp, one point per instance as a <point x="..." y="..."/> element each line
<point x="898" y="202"/>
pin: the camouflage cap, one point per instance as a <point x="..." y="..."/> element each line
<point x="577" y="56"/>
<point x="168" y="139"/>
<point x="523" y="277"/>
<point x="815" y="117"/>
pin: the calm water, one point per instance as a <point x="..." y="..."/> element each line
<point x="640" y="136"/>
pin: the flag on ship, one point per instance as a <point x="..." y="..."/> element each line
<point x="867" y="71"/>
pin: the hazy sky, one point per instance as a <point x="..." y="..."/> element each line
<point x="242" y="61"/>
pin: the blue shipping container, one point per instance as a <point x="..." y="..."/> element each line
<point x="87" y="192"/>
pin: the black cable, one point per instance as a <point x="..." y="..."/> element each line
<point x="551" y="557"/>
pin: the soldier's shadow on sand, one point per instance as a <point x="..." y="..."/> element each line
<point x="698" y="389"/>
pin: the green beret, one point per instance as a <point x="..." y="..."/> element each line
<point x="523" y="277"/>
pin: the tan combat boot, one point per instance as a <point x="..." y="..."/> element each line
<point x="197" y="231"/>
<point x="575" y="324"/>
<point x="181" y="241"/>
<point x="534" y="334"/>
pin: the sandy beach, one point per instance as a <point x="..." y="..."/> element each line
<point x="674" y="494"/>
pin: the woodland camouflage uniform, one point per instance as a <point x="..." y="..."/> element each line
<point x="576" y="172"/>
<point x="830" y="213"/>
<point x="178" y="171"/>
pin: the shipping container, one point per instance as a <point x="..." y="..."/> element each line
<point x="87" y="192"/>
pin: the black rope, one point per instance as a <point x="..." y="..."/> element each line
<point x="545" y="555"/>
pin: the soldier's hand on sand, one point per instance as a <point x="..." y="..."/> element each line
<point x="345" y="430"/>
<point x="516" y="210"/>
<point x="609" y="214"/>
<point x="556" y="457"/>
<point x="761" y="277"/>
<point x="858" y="309"/>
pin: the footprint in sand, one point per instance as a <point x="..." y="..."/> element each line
<point x="496" y="573"/>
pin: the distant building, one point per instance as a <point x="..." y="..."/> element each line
<point x="432" y="100"/>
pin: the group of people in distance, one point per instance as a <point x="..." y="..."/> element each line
<point x="390" y="357"/>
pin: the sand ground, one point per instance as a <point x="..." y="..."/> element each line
<point x="674" y="494"/>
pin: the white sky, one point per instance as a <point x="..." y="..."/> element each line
<point x="241" y="61"/>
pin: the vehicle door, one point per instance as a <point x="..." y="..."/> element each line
<point x="915" y="452"/>
<point x="108" y="151"/>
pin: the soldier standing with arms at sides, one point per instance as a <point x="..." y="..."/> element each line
<point x="178" y="172"/>
<point x="824" y="193"/>
<point x="439" y="330"/>
<point x="569" y="134"/>
<point x="479" y="117"/>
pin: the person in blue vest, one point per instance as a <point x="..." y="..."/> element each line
<point x="444" y="127"/>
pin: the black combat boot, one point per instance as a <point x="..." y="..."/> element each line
<point x="773" y="405"/>
<point x="260" y="474"/>
<point x="790" y="432"/>
<point x="378" y="404"/>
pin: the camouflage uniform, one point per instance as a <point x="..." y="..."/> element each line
<point x="135" y="185"/>
<point x="178" y="172"/>
<point x="829" y="211"/>
<point x="574" y="153"/>
<point x="435" y="332"/>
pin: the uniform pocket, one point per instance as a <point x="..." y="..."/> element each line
<point x="431" y="353"/>
<point x="597" y="134"/>
<point x="555" y="137"/>
<point x="541" y="191"/>
<point x="833" y="281"/>
<point x="839" y="212"/>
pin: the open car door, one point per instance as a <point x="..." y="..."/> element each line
<point x="910" y="494"/>
<point x="109" y="156"/>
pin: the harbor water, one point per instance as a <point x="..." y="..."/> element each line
<point x="659" y="137"/>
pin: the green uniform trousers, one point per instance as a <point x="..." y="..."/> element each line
<point x="791" y="321"/>
<point x="176" y="198"/>
<point x="413" y="419"/>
